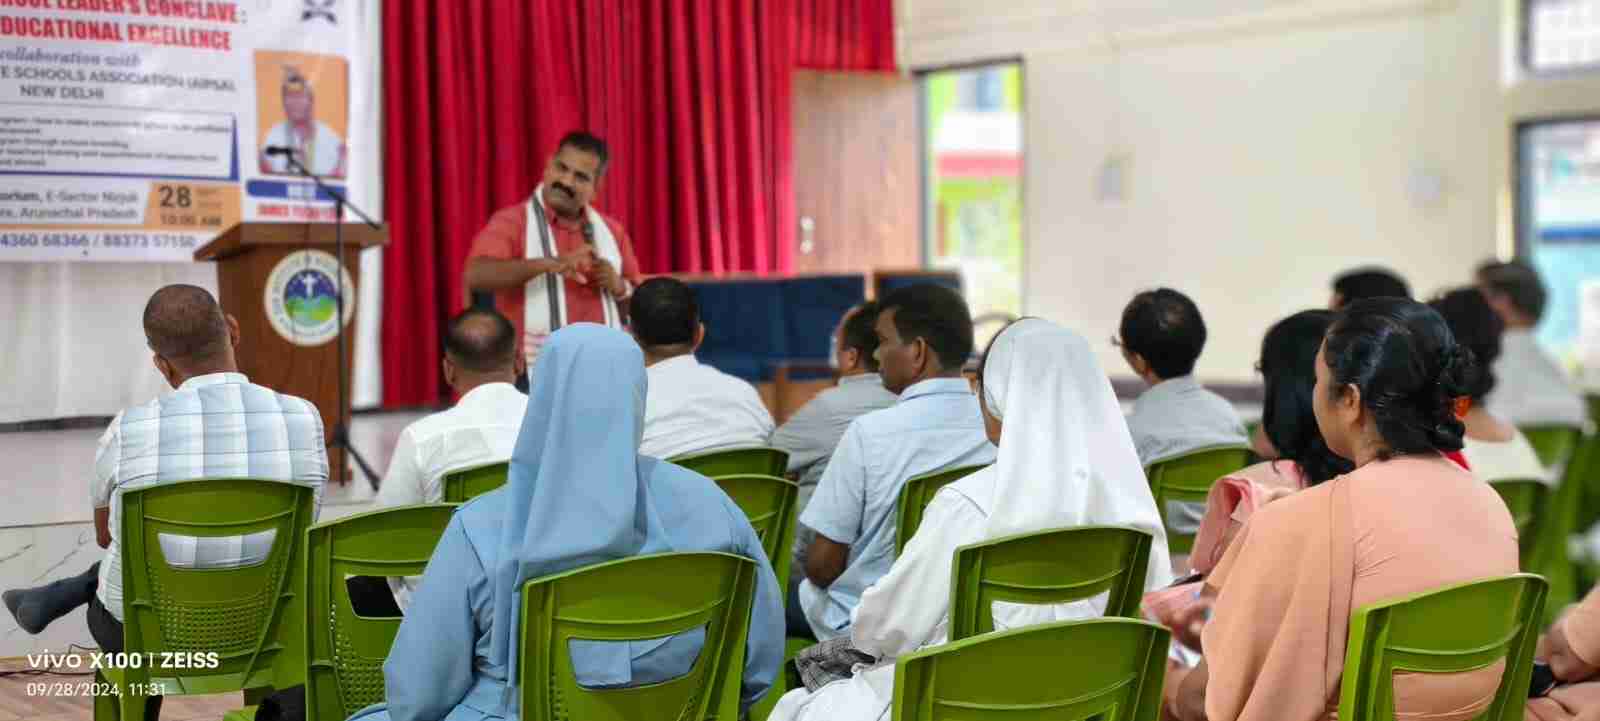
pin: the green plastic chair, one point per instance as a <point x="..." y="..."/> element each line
<point x="1187" y="479"/>
<point x="1250" y="433"/>
<point x="344" y="673"/>
<point x="1557" y="445"/>
<point x="1526" y="498"/>
<point x="769" y="503"/>
<point x="915" y="496"/>
<point x="465" y="484"/>
<point x="638" y="598"/>
<point x="1451" y="630"/>
<point x="1107" y="669"/>
<point x="1044" y="567"/>
<point x="736" y="462"/>
<point x="251" y="617"/>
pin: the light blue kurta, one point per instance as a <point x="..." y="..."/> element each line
<point x="578" y="494"/>
<point x="935" y="425"/>
<point x="441" y="666"/>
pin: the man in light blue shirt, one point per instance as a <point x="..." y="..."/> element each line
<point x="924" y="337"/>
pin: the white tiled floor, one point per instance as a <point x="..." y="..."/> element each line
<point x="47" y="526"/>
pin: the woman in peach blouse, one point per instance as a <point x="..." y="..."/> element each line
<point x="1406" y="520"/>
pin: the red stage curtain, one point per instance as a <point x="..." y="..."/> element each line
<point x="843" y="34"/>
<point x="692" y="98"/>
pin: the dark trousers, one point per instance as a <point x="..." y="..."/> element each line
<point x="794" y="616"/>
<point x="107" y="633"/>
<point x="371" y="597"/>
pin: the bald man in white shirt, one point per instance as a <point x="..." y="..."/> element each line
<point x="481" y="365"/>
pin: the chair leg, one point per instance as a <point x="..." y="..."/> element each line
<point x="254" y="696"/>
<point x="134" y="707"/>
<point x="105" y="705"/>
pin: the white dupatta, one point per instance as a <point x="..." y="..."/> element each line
<point x="1066" y="458"/>
<point x="545" y="300"/>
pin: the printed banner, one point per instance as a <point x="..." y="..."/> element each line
<point x="137" y="130"/>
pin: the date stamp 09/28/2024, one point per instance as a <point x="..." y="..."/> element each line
<point x="99" y="661"/>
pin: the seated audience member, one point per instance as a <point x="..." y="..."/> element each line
<point x="481" y="365"/>
<point x="578" y="477"/>
<point x="1288" y="367"/>
<point x="1162" y="335"/>
<point x="1368" y="282"/>
<point x="215" y="424"/>
<point x="1387" y="377"/>
<point x="1494" y="449"/>
<point x="810" y="435"/>
<point x="924" y="338"/>
<point x="691" y="408"/>
<point x="1065" y="459"/>
<point x="1532" y="388"/>
<point x="1572" y="649"/>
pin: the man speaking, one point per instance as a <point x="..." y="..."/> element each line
<point x="552" y="260"/>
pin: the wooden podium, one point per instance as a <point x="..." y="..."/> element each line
<point x="278" y="280"/>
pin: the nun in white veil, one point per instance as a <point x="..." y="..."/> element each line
<point x="1065" y="459"/>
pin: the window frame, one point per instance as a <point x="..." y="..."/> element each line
<point x="1521" y="190"/>
<point x="925" y="181"/>
<point x="1525" y="51"/>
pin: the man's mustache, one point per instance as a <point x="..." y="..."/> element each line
<point x="564" y="189"/>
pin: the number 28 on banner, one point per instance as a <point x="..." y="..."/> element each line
<point x="190" y="206"/>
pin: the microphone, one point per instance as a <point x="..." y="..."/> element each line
<point x="276" y="150"/>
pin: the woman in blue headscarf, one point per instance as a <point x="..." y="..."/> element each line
<point x="579" y="494"/>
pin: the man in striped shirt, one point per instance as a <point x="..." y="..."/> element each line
<point x="216" y="424"/>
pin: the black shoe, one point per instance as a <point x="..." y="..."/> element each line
<point x="35" y="608"/>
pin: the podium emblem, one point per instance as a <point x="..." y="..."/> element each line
<point x="302" y="297"/>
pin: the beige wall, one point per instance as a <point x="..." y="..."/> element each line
<point x="1265" y="146"/>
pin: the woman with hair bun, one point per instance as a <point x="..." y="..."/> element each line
<point x="1405" y="521"/>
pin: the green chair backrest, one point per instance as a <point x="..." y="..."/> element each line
<point x="737" y="461"/>
<point x="770" y="504"/>
<point x="1451" y="630"/>
<point x="638" y="598"/>
<point x="914" y="498"/>
<point x="1043" y="567"/>
<point x="1563" y="447"/>
<point x="1107" y="669"/>
<point x="466" y="484"/>
<point x="345" y="652"/>
<point x="1563" y="516"/>
<point x="1526" y="498"/>
<point x="1188" y="478"/>
<point x="1554" y="444"/>
<point x="251" y="617"/>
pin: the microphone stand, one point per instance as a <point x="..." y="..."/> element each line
<point x="341" y="429"/>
